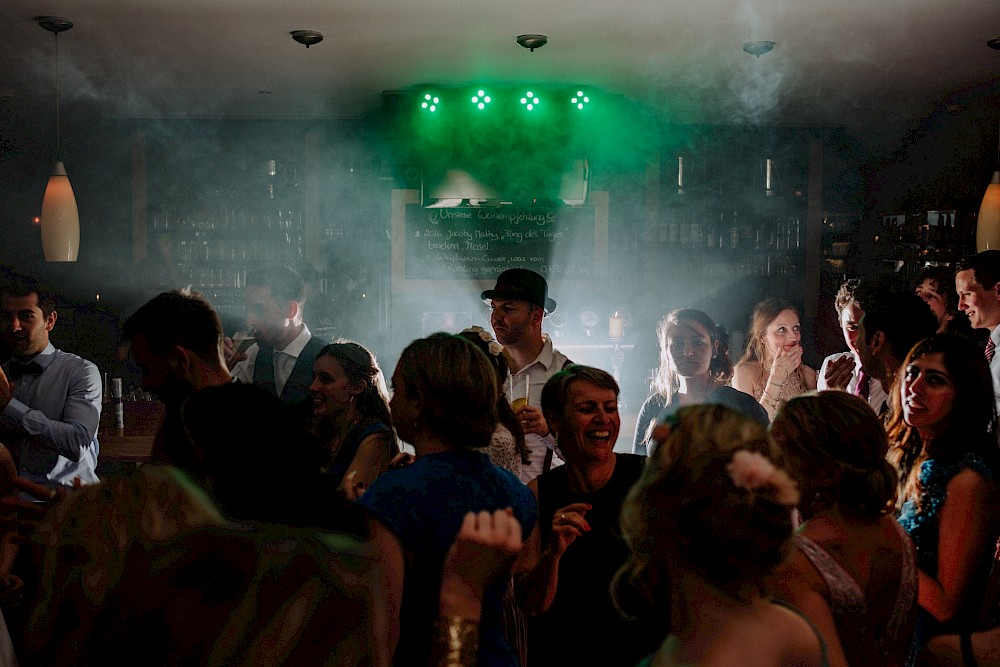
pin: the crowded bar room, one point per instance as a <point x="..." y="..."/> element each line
<point x="500" y="334"/>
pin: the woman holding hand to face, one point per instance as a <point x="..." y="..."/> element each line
<point x="771" y="369"/>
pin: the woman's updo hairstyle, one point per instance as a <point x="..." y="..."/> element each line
<point x="836" y="444"/>
<point x="712" y="500"/>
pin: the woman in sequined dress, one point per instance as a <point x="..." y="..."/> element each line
<point x="771" y="369"/>
<point x="942" y="440"/>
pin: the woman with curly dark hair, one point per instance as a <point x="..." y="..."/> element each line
<point x="943" y="442"/>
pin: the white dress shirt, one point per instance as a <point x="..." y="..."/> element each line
<point x="284" y="361"/>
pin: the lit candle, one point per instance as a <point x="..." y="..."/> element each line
<point x="616" y="326"/>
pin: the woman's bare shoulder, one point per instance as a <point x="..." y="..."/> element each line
<point x="746" y="374"/>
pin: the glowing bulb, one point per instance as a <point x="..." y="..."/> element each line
<point x="481" y="99"/>
<point x="430" y="102"/>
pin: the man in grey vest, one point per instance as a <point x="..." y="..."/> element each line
<point x="281" y="359"/>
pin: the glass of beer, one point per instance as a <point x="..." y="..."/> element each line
<point x="517" y="391"/>
<point x="242" y="340"/>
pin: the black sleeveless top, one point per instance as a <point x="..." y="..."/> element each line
<point x="582" y="627"/>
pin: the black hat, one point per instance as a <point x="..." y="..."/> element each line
<point x="523" y="285"/>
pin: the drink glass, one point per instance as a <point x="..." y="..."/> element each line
<point x="242" y="340"/>
<point x="517" y="391"/>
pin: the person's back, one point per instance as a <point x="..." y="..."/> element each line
<point x="872" y="566"/>
<point x="767" y="635"/>
<point x="853" y="572"/>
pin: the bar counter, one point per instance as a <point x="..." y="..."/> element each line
<point x="134" y="442"/>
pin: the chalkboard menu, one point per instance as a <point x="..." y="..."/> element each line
<point x="477" y="243"/>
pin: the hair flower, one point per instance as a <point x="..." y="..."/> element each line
<point x="494" y="347"/>
<point x="752" y="470"/>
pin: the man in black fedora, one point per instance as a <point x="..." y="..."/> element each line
<point x="518" y="304"/>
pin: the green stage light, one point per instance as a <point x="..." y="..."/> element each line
<point x="430" y="102"/>
<point x="579" y="100"/>
<point x="480" y="100"/>
<point x="530" y="101"/>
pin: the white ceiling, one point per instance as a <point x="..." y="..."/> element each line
<point x="841" y="62"/>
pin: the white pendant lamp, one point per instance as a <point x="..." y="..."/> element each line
<point x="60" y="219"/>
<point x="988" y="221"/>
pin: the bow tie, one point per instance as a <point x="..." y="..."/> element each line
<point x="17" y="370"/>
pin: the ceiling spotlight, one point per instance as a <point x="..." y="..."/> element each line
<point x="307" y="37"/>
<point x="758" y="48"/>
<point x="994" y="43"/>
<point x="532" y="42"/>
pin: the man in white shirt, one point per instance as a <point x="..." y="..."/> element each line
<point x="518" y="304"/>
<point x="843" y="369"/>
<point x="281" y="359"/>
<point x="977" y="281"/>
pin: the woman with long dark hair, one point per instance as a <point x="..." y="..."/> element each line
<point x="943" y="442"/>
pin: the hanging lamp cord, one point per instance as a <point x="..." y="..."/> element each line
<point x="58" y="138"/>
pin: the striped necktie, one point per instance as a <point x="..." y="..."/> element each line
<point x="991" y="349"/>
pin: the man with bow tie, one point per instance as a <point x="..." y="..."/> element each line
<point x="50" y="400"/>
<point x="282" y="359"/>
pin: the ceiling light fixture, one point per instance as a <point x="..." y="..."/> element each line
<point x="758" y="48"/>
<point x="988" y="221"/>
<point x="532" y="42"/>
<point x="307" y="37"/>
<point x="60" y="219"/>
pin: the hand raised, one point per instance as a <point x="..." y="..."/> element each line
<point x="839" y="373"/>
<point x="484" y="551"/>
<point x="568" y="523"/>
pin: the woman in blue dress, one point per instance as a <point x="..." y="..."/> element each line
<point x="444" y="404"/>
<point x="943" y="441"/>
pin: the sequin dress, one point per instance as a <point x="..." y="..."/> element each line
<point x="923" y="523"/>
<point x="793" y="387"/>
